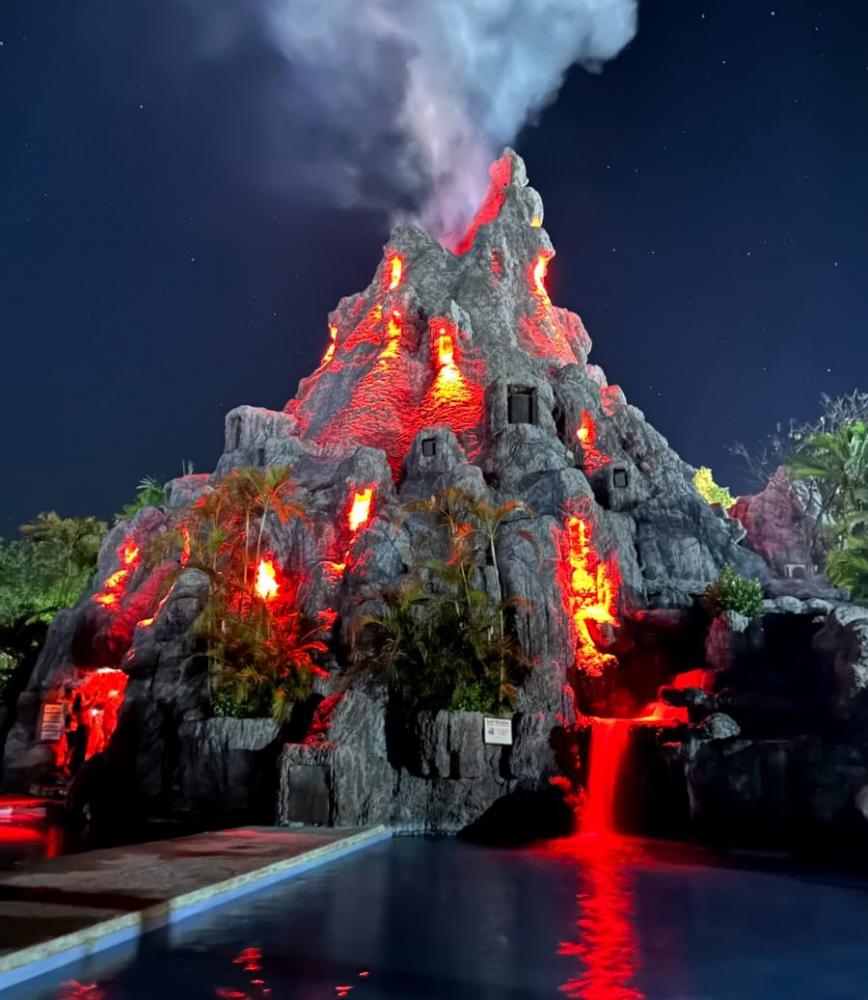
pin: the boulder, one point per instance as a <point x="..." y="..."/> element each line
<point x="226" y="768"/>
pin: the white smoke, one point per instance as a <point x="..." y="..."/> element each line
<point x="410" y="100"/>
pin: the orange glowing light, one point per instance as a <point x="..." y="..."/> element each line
<point x="266" y="580"/>
<point x="590" y="588"/>
<point x="330" y="350"/>
<point x="360" y="509"/>
<point x="445" y="348"/>
<point x="539" y="271"/>
<point x="114" y="587"/>
<point x="129" y="553"/>
<point x="335" y="569"/>
<point x="393" y="336"/>
<point x="114" y="581"/>
<point x="536" y="222"/>
<point x="396" y="271"/>
<point x="592" y="458"/>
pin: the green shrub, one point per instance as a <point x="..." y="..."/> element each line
<point x="475" y="696"/>
<point x="733" y="592"/>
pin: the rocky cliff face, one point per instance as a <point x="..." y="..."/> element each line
<point x="449" y="369"/>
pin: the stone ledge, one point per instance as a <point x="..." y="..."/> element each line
<point x="48" y="955"/>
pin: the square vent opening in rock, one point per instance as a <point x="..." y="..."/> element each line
<point x="521" y="405"/>
<point x="429" y="447"/>
<point x="620" y="479"/>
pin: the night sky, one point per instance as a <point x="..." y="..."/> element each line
<point x="707" y="195"/>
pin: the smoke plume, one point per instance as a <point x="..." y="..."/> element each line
<point x="407" y="101"/>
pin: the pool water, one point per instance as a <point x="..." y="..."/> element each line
<point x="413" y="918"/>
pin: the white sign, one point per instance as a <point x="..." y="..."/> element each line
<point x="498" y="731"/>
<point x="51" y="722"/>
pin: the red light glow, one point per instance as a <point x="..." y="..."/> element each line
<point x="606" y="942"/>
<point x="390" y="403"/>
<point x="94" y="701"/>
<point x="592" y="458"/>
<point x="266" y="585"/>
<point x="550" y="332"/>
<point x="590" y="588"/>
<point x="500" y="173"/>
<point x="610" y="739"/>
<point x="115" y="586"/>
<point x="698" y="678"/>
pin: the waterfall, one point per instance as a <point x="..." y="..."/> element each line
<point x="609" y="741"/>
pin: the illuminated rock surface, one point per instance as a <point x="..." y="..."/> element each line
<point x="448" y="370"/>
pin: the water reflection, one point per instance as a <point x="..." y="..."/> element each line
<point x="72" y="989"/>
<point x="605" y="941"/>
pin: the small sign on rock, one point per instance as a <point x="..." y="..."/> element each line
<point x="51" y="722"/>
<point x="498" y="731"/>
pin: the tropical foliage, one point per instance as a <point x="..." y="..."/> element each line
<point x="149" y="493"/>
<point x="835" y="464"/>
<point x="262" y="647"/>
<point x="442" y="639"/>
<point x="733" y="592"/>
<point x="40" y="573"/>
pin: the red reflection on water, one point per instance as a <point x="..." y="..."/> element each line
<point x="250" y="960"/>
<point x="72" y="989"/>
<point x="605" y="941"/>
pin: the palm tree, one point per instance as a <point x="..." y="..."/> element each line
<point x="262" y="649"/>
<point x="149" y="493"/>
<point x="837" y="461"/>
<point x="73" y="542"/>
<point x="447" y="645"/>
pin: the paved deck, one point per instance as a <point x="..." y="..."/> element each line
<point x="63" y="909"/>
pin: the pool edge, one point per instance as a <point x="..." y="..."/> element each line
<point x="36" y="960"/>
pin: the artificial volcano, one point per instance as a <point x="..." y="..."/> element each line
<point x="452" y="369"/>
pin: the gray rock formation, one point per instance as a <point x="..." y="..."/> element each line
<point x="448" y="370"/>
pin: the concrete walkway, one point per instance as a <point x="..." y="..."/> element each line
<point x="61" y="910"/>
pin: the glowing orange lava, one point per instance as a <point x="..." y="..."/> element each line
<point x="115" y="585"/>
<point x="538" y="272"/>
<point x="395" y="272"/>
<point x="393" y="337"/>
<point x="550" y="332"/>
<point x="590" y="587"/>
<point x="360" y="509"/>
<point x="330" y="350"/>
<point x="266" y="585"/>
<point x="445" y="348"/>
